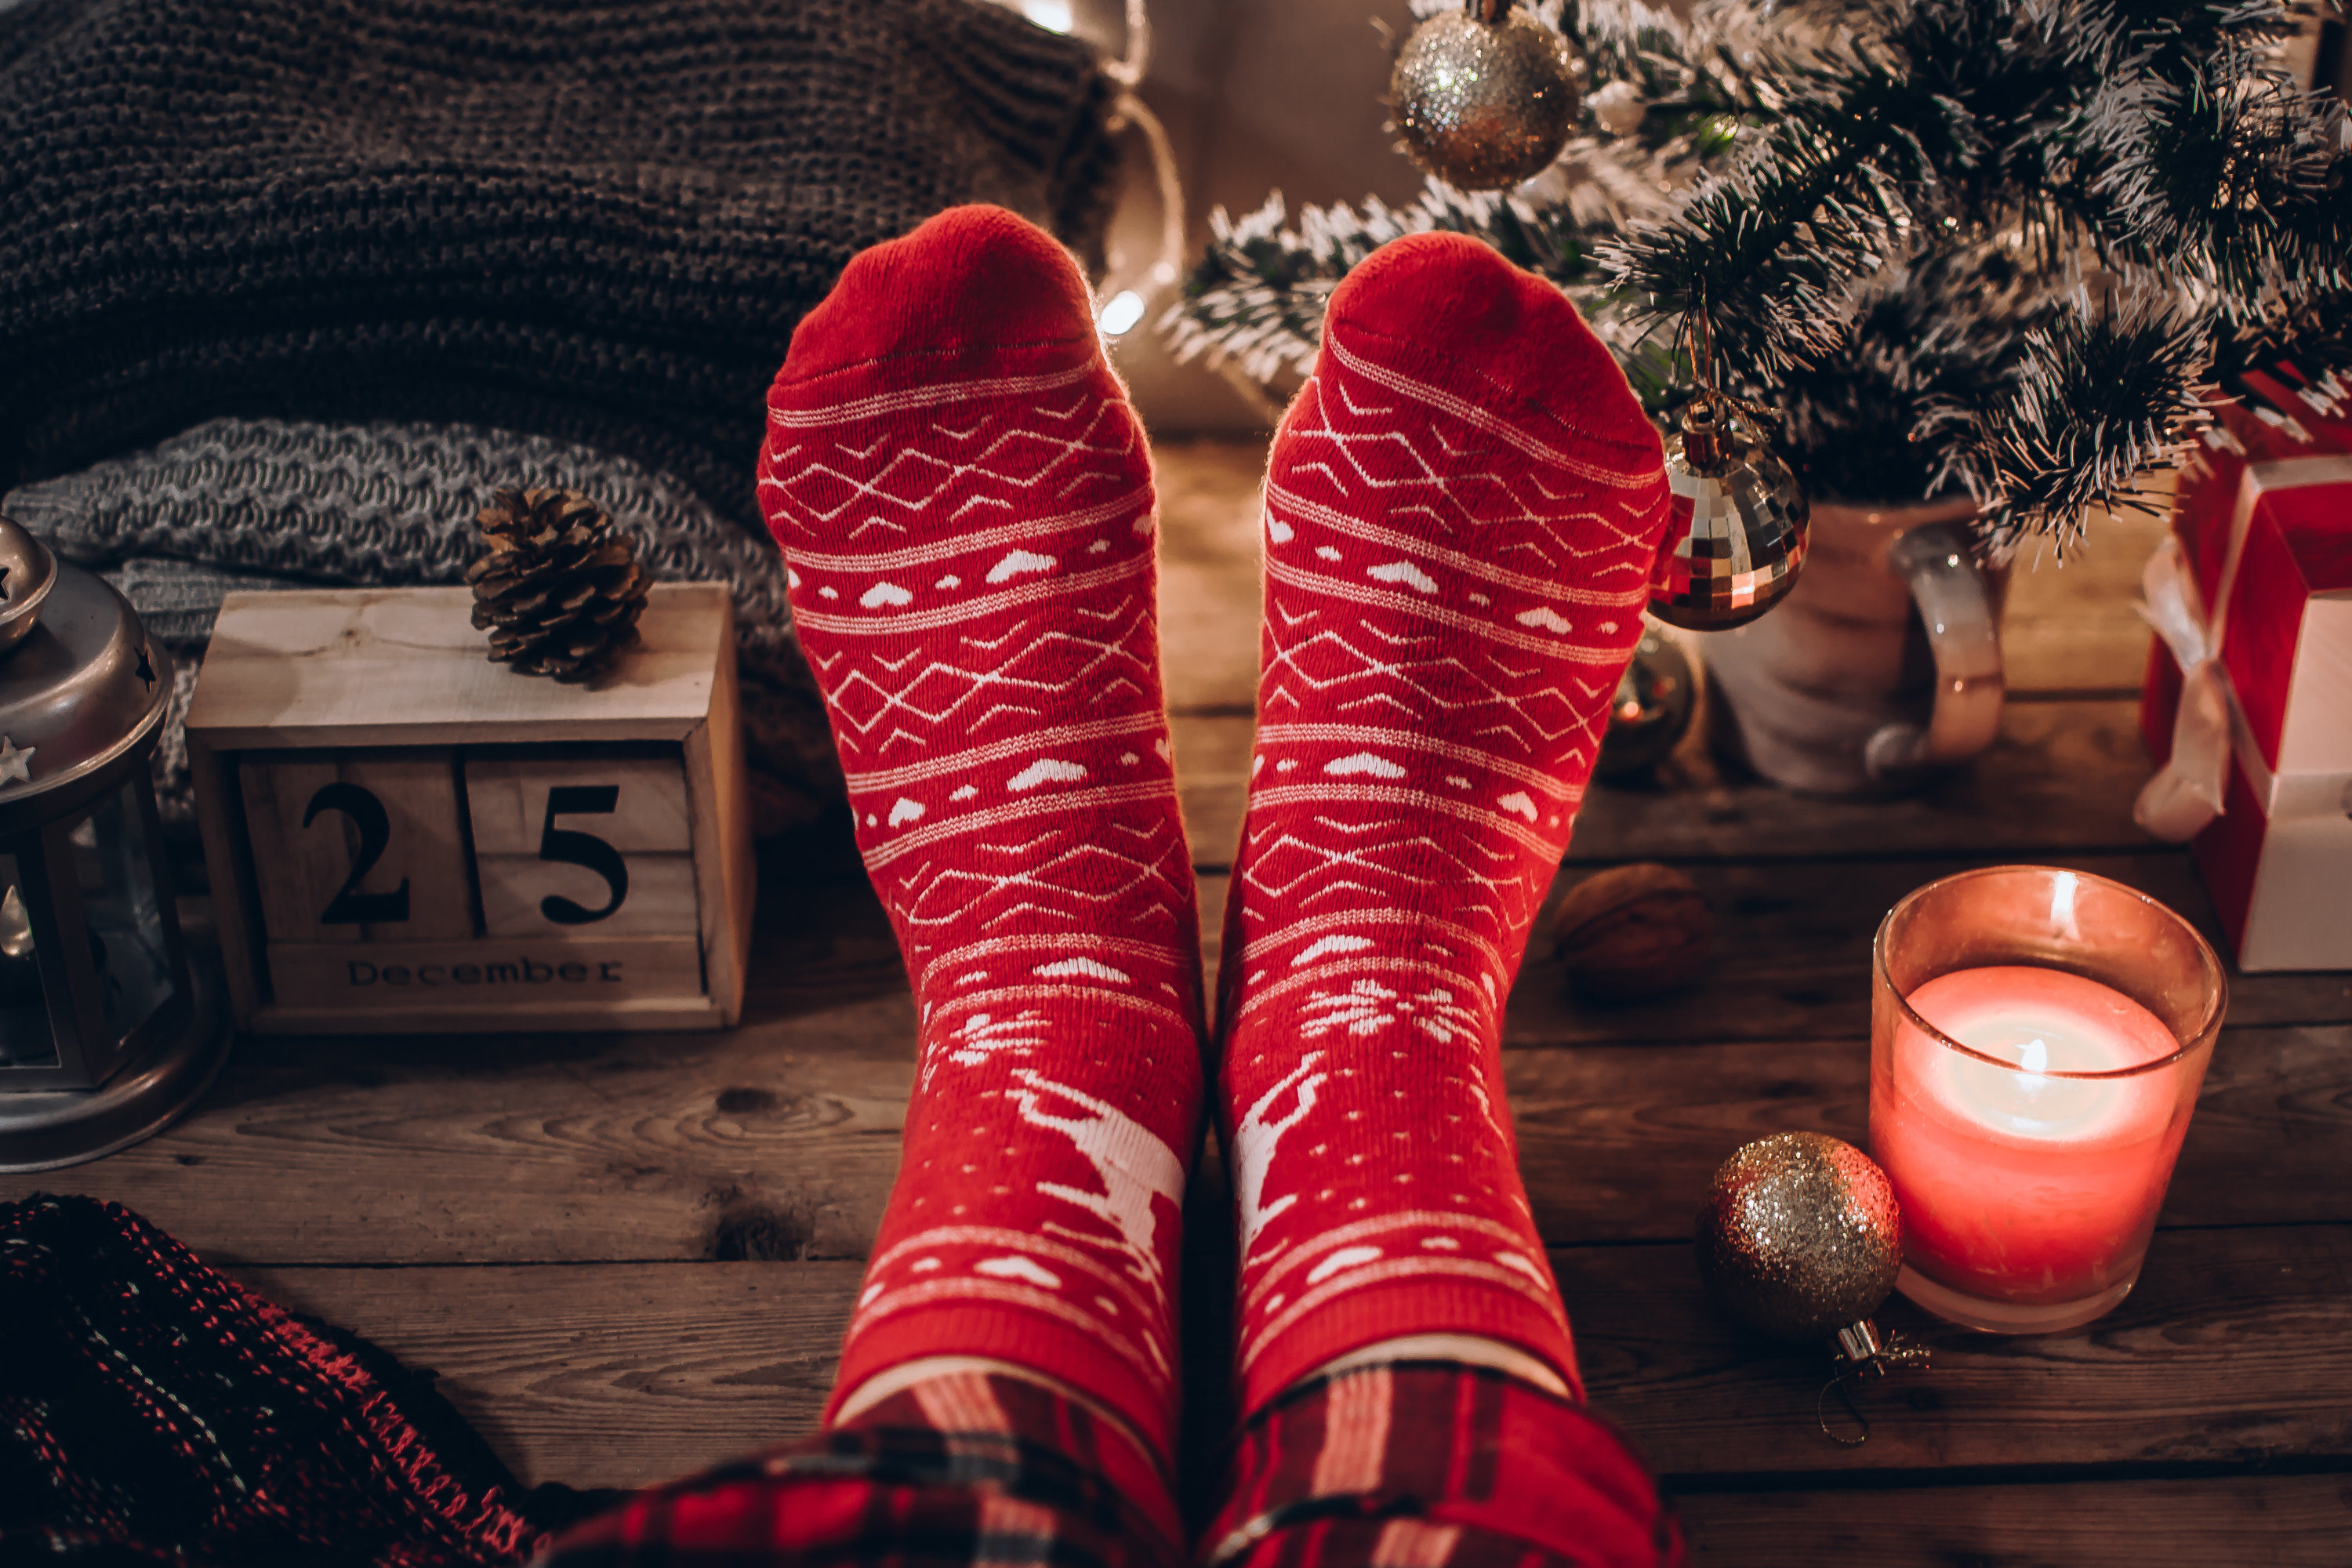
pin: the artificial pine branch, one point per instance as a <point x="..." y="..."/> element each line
<point x="2102" y="394"/>
<point x="1938" y="332"/>
<point x="2232" y="174"/>
<point x="1772" y="248"/>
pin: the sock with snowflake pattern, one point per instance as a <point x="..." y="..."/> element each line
<point x="965" y="505"/>
<point x="1462" y="509"/>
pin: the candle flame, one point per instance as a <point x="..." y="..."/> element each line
<point x="2033" y="1055"/>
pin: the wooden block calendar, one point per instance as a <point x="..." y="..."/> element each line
<point x="405" y="837"/>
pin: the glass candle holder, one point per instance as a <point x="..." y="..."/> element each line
<point x="2037" y="1041"/>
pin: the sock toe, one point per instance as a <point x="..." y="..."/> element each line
<point x="973" y="281"/>
<point x="1467" y="315"/>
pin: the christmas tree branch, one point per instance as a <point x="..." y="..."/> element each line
<point x="1823" y="199"/>
<point x="2232" y="174"/>
<point x="2102" y="394"/>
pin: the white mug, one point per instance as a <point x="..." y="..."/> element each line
<point x="1881" y="667"/>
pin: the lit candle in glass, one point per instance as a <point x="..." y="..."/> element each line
<point x="2038" y="1038"/>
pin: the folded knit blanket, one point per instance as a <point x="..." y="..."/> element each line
<point x="594" y="222"/>
<point x="155" y="1412"/>
<point x="239" y="504"/>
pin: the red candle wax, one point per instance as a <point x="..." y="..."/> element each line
<point x="2019" y="1183"/>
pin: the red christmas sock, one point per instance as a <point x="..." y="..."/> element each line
<point x="1462" y="510"/>
<point x="964" y="501"/>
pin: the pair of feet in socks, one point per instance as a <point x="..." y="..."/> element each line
<point x="1462" y="511"/>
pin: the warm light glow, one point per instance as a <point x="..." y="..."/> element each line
<point x="1125" y="309"/>
<point x="1053" y="16"/>
<point x="2018" y="1184"/>
<point x="2063" y="887"/>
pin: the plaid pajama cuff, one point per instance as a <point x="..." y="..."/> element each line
<point x="1435" y="1465"/>
<point x="971" y="1470"/>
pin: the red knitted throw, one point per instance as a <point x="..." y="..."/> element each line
<point x="153" y="1409"/>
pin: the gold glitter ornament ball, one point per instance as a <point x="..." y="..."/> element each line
<point x="1800" y="1235"/>
<point x="1483" y="103"/>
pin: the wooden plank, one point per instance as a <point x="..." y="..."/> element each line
<point x="777" y="1139"/>
<point x="1790" y="957"/>
<point x="355" y="666"/>
<point x="2061" y="777"/>
<point x="1209" y="572"/>
<point x="1211" y="759"/>
<point x="1792" y="954"/>
<point x="2244" y="1521"/>
<point x="618" y="1375"/>
<point x="2233" y="1349"/>
<point x="2060" y="780"/>
<point x="1617" y="1143"/>
<point x="2070" y="627"/>
<point x="465" y="1148"/>
<point x="605" y="1149"/>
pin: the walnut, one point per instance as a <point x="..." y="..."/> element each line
<point x="1633" y="933"/>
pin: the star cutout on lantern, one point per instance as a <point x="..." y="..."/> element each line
<point x="15" y="762"/>
<point x="146" y="671"/>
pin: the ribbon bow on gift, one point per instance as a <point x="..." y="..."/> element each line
<point x="2186" y="792"/>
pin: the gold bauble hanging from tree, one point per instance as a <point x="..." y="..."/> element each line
<point x="1485" y="97"/>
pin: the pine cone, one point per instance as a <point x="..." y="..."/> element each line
<point x="560" y="588"/>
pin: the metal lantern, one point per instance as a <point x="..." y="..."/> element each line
<point x="106" y="1031"/>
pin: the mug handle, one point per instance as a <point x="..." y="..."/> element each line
<point x="1955" y="606"/>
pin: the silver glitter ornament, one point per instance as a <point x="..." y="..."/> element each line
<point x="1800" y="1236"/>
<point x="1740" y="529"/>
<point x="1485" y="97"/>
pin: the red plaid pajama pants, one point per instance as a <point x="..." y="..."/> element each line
<point x="1406" y="1465"/>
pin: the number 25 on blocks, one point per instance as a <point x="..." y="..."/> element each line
<point x="403" y="835"/>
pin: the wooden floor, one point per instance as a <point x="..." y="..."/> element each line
<point x="630" y="1257"/>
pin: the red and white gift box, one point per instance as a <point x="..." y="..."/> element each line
<point x="2248" y="704"/>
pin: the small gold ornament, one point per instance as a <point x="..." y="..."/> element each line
<point x="1740" y="526"/>
<point x="1800" y="1235"/>
<point x="1484" y="97"/>
<point x="1801" y="1239"/>
<point x="561" y="589"/>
